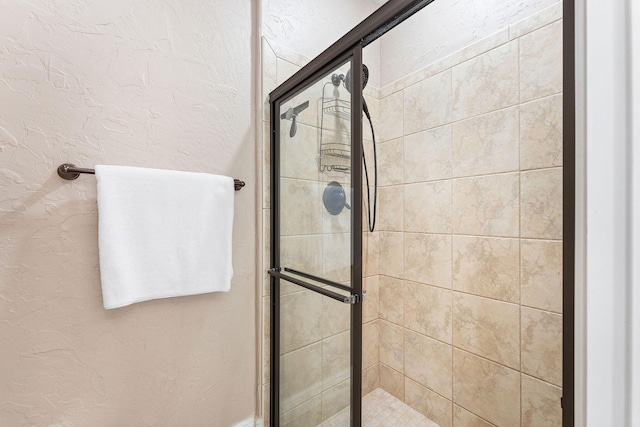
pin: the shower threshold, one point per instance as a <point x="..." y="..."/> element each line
<point x="380" y="409"/>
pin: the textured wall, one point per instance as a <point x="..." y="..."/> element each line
<point x="308" y="26"/>
<point x="164" y="84"/>
<point x="447" y="27"/>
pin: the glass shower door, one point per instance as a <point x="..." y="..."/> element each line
<point x="316" y="261"/>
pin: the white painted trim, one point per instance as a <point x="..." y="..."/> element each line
<point x="580" y="300"/>
<point x="635" y="109"/>
<point x="608" y="214"/>
<point x="252" y="421"/>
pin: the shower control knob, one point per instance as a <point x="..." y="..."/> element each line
<point x="334" y="198"/>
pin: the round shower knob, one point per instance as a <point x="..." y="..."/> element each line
<point x="334" y="198"/>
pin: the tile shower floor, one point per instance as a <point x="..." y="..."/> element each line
<point x="380" y="409"/>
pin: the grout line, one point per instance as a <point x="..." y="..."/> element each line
<point x="519" y="346"/>
<point x="452" y="264"/>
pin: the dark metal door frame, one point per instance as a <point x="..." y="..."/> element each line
<point x="277" y="273"/>
<point x="568" y="212"/>
<point x="387" y="17"/>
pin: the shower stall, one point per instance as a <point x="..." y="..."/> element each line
<point x="415" y="223"/>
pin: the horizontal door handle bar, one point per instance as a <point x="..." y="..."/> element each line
<point x="319" y="279"/>
<point x="347" y="299"/>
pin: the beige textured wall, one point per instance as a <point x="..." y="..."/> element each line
<point x="470" y="231"/>
<point x="165" y="84"/>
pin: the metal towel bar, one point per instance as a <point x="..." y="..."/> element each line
<point x="70" y="171"/>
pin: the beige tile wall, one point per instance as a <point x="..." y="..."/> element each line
<point x="469" y="238"/>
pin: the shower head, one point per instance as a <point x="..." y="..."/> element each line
<point x="336" y="79"/>
<point x="365" y="78"/>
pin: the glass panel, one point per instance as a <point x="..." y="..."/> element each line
<point x="315" y="365"/>
<point x="315" y="179"/>
<point x="315" y="240"/>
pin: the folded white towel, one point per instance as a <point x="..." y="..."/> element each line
<point x="162" y="233"/>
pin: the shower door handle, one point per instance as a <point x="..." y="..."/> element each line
<point x="347" y="299"/>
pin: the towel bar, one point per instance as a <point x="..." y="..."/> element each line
<point x="70" y="171"/>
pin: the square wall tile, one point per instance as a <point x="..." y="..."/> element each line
<point x="370" y="379"/>
<point x="300" y="207"/>
<point x="542" y="274"/>
<point x="392" y="345"/>
<point x="392" y="381"/>
<point x="428" y="403"/>
<point x="370" y="344"/>
<point x="486" y="388"/>
<point x="427" y="155"/>
<point x="488" y="328"/>
<point x="541" y="133"/>
<point x="541" y="211"/>
<point x="371" y="302"/>
<point x="540" y="403"/>
<point x="487" y="266"/>
<point x="542" y="345"/>
<point x="427" y="104"/>
<point x="301" y="319"/>
<point x="390" y="163"/>
<point x="309" y="411"/>
<point x="391" y="299"/>
<point x="336" y="257"/>
<point x="427" y="259"/>
<point x="299" y="155"/>
<point x="370" y="253"/>
<point x="391" y="256"/>
<point x="336" y="362"/>
<point x="301" y="373"/>
<point x="486" y="144"/>
<point x="428" y="362"/>
<point x="427" y="310"/>
<point x="541" y="62"/>
<point x="427" y="207"/>
<point x="464" y="418"/>
<point x="391" y="117"/>
<point x="486" y="83"/>
<point x="390" y="213"/>
<point x="336" y="317"/>
<point x="335" y="399"/>
<point x="487" y="205"/>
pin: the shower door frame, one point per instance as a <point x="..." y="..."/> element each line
<point x="295" y="85"/>
<point x="351" y="44"/>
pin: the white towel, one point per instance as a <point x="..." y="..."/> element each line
<point x="162" y="233"/>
